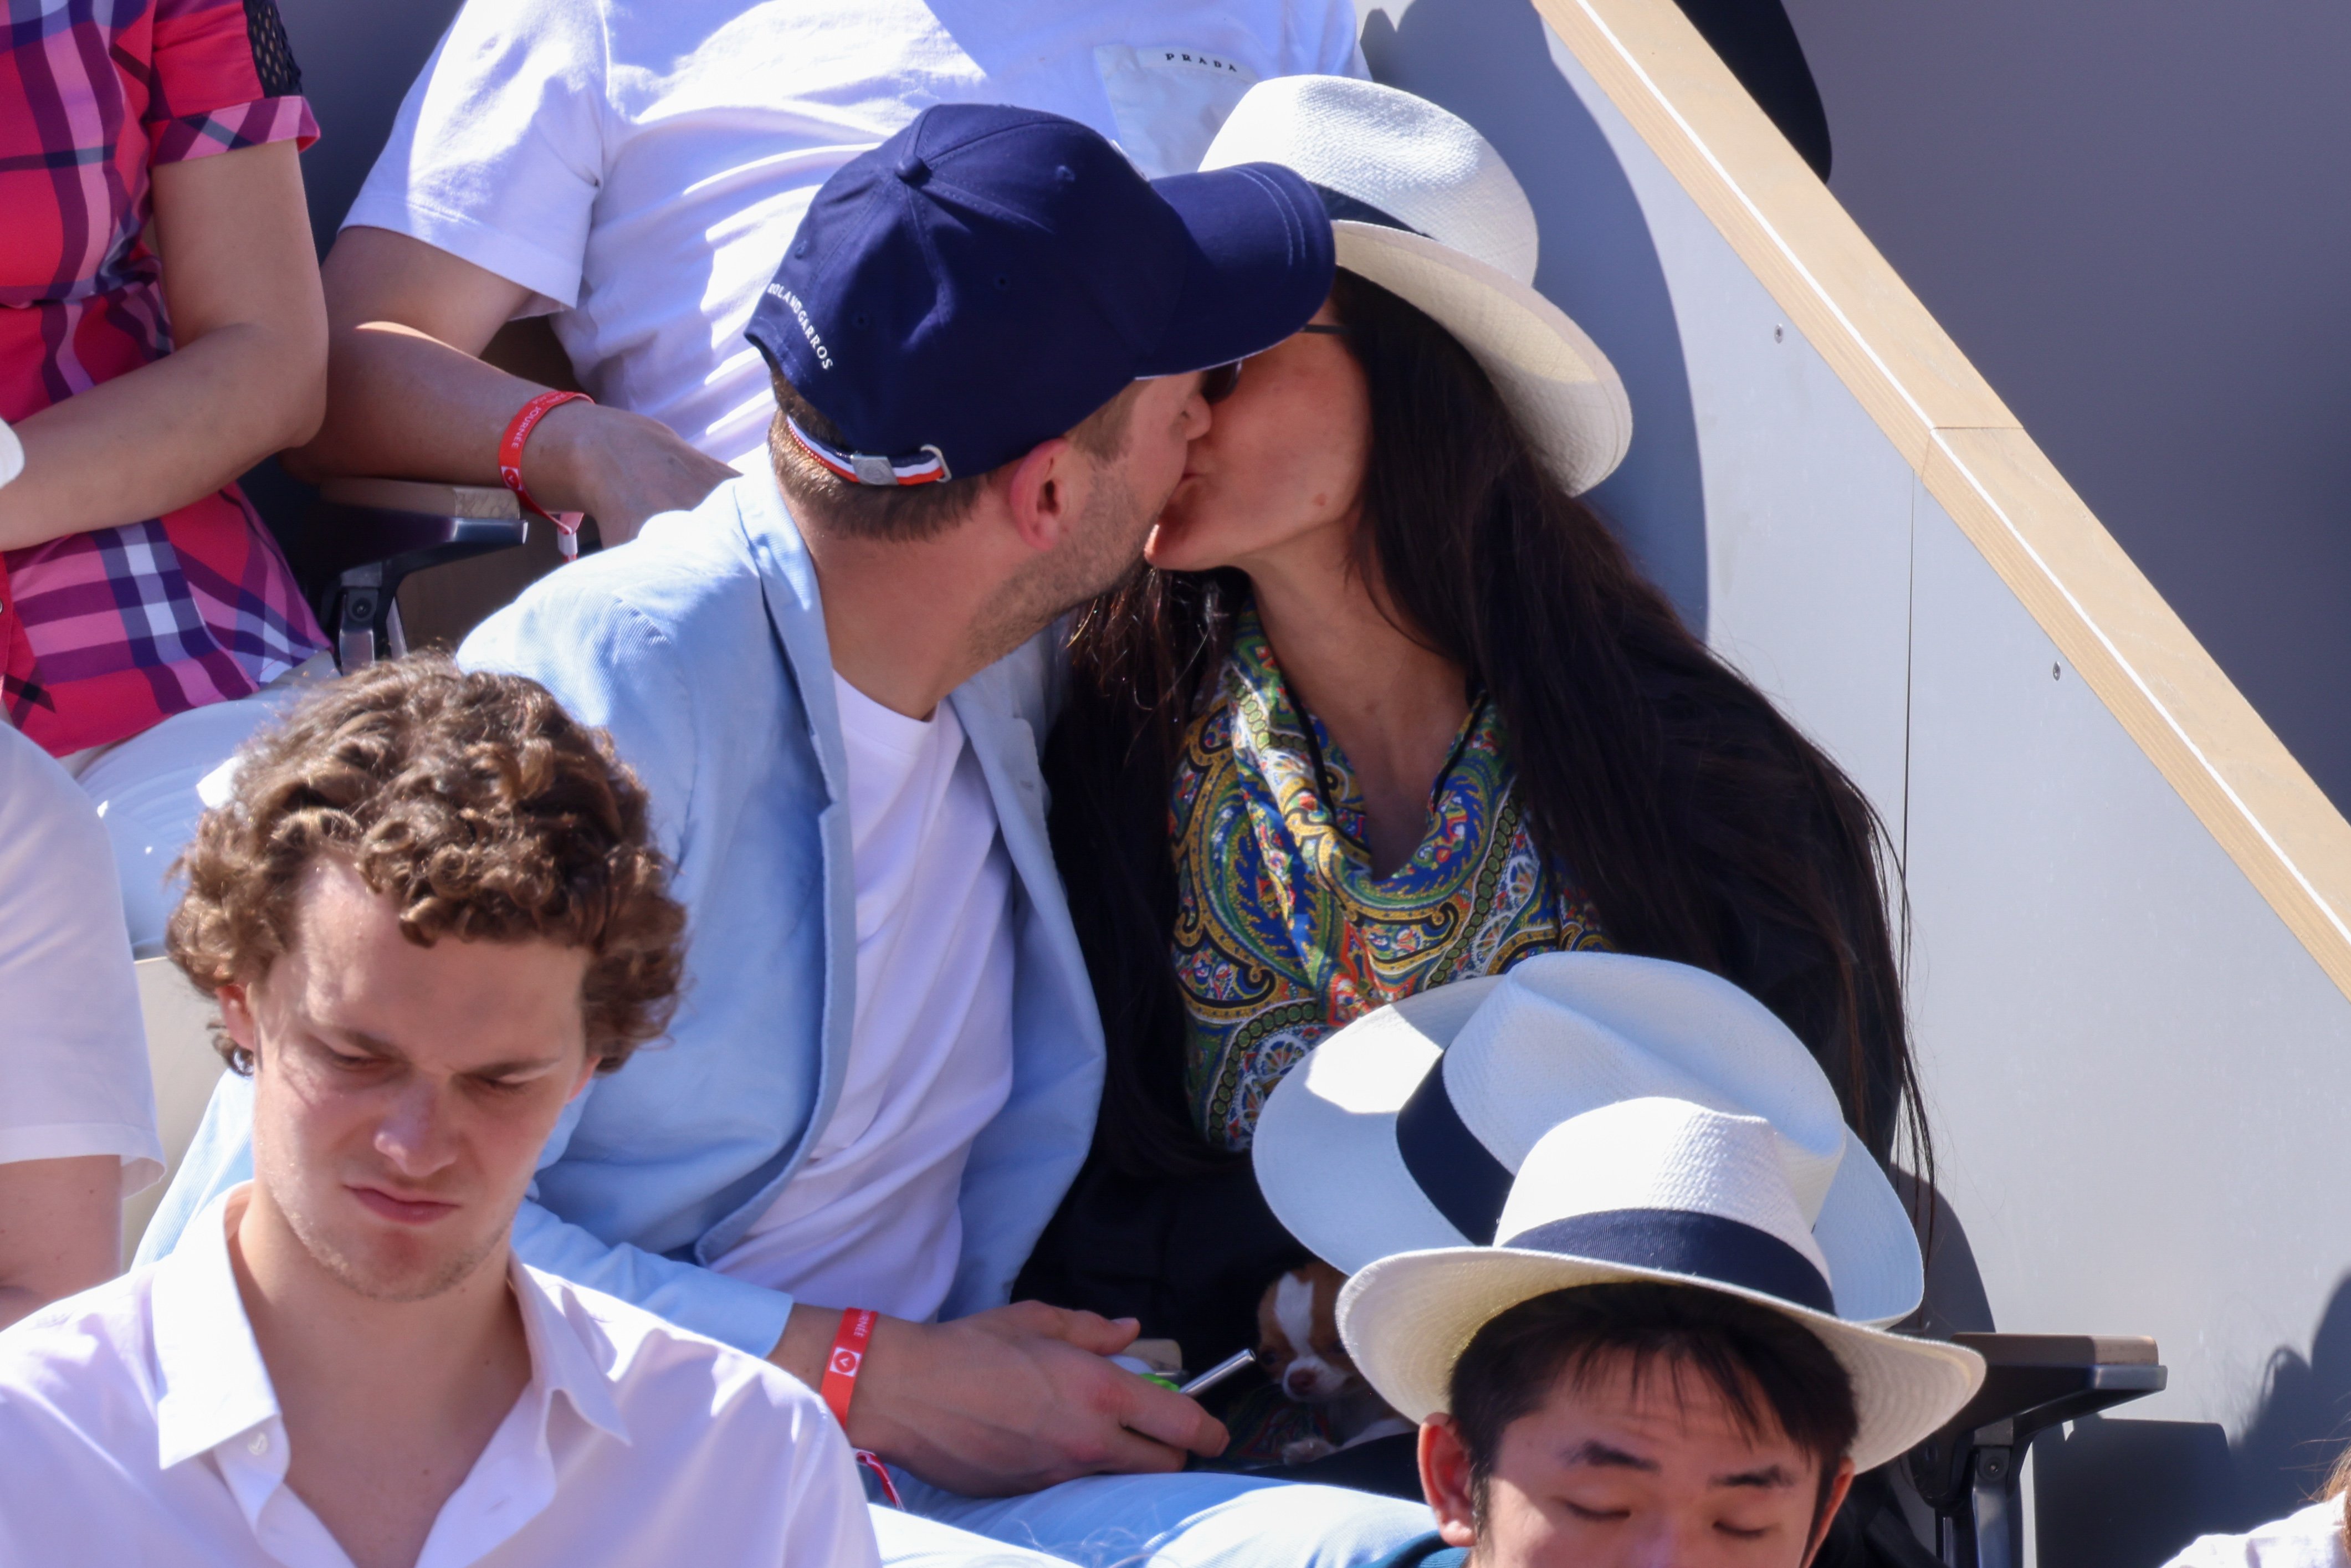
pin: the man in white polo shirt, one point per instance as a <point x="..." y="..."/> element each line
<point x="430" y="915"/>
<point x="635" y="171"/>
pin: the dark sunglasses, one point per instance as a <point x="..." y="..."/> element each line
<point x="1217" y="384"/>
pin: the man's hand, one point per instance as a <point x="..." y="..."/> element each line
<point x="618" y="467"/>
<point x="1005" y="1401"/>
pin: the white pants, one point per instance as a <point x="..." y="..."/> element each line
<point x="1192" y="1519"/>
<point x="145" y="791"/>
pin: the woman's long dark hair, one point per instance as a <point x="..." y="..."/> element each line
<point x="1704" y="827"/>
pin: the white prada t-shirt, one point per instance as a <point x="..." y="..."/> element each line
<point x="640" y="166"/>
<point x="871" y="1220"/>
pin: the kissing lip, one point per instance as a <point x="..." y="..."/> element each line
<point x="405" y="1210"/>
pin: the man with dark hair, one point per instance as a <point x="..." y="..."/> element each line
<point x="430" y="913"/>
<point x="1598" y="1374"/>
<point x="1648" y="1368"/>
<point x="886" y="1071"/>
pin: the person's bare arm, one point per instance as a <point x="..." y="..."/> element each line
<point x="1004" y="1401"/>
<point x="409" y="397"/>
<point x="60" y="1230"/>
<point x="246" y="378"/>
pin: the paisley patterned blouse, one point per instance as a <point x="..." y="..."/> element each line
<point x="1282" y="933"/>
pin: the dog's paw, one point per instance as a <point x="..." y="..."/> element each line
<point x="1306" y="1450"/>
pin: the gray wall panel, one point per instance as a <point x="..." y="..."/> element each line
<point x="2137" y="1077"/>
<point x="2132" y="220"/>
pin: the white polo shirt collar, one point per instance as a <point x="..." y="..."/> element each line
<point x="215" y="1398"/>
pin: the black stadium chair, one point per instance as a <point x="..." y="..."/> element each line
<point x="1970" y="1473"/>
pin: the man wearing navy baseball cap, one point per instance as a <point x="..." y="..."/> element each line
<point x="988" y="339"/>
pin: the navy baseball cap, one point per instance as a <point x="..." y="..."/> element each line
<point x="989" y="276"/>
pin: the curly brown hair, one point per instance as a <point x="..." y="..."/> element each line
<point x="485" y="808"/>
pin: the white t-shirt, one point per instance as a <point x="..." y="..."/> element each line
<point x="2311" y="1539"/>
<point x="640" y="168"/>
<point x="73" y="1047"/>
<point x="871" y="1219"/>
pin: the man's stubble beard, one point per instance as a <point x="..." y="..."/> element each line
<point x="1101" y="550"/>
<point x="348" y="1271"/>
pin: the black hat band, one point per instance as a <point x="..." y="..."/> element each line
<point x="1456" y="1171"/>
<point x="1683" y="1241"/>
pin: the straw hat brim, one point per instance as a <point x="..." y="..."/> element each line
<point x="1406" y="1319"/>
<point x="1564" y="393"/>
<point x="1327" y="1162"/>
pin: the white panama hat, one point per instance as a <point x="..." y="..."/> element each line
<point x="1402" y="1131"/>
<point x="1424" y="206"/>
<point x="1658" y="1191"/>
<point x="12" y="453"/>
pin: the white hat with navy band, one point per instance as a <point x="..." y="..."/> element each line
<point x="1656" y="1191"/>
<point x="1404" y="1130"/>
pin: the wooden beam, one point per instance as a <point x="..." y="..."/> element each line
<point x="1975" y="458"/>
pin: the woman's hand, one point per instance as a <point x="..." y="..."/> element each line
<point x="247" y="376"/>
<point x="1007" y="1401"/>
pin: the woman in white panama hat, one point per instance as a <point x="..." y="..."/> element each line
<point x="1410" y="709"/>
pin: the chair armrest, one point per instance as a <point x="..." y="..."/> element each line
<point x="2033" y="1382"/>
<point x="1969" y="1472"/>
<point x="363" y="537"/>
<point x="405" y="524"/>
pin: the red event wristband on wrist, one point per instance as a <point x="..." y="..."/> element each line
<point x="842" y="1363"/>
<point x="510" y="445"/>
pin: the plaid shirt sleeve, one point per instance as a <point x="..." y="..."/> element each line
<point x="224" y="77"/>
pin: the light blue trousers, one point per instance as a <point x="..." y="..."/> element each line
<point x="1194" y="1519"/>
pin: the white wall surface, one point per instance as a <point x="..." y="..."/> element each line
<point x="1807" y="504"/>
<point x="2138" y="1075"/>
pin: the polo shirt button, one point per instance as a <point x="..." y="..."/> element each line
<point x="258" y="1446"/>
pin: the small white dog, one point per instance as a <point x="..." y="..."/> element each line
<point x="1299" y="1348"/>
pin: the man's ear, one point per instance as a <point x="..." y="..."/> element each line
<point x="1834" y="1501"/>
<point x="236" y="1018"/>
<point x="1445" y="1480"/>
<point x="1037" y="492"/>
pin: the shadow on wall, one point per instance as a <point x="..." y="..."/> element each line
<point x="1489" y="62"/>
<point x="2128" y="1494"/>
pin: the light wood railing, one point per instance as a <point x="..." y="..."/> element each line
<point x="1975" y="458"/>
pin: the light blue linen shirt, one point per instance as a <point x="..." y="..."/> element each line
<point x="702" y="649"/>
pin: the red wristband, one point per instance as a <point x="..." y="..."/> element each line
<point x="842" y="1363"/>
<point x="510" y="445"/>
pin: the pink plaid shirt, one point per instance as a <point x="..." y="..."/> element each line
<point x="104" y="633"/>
